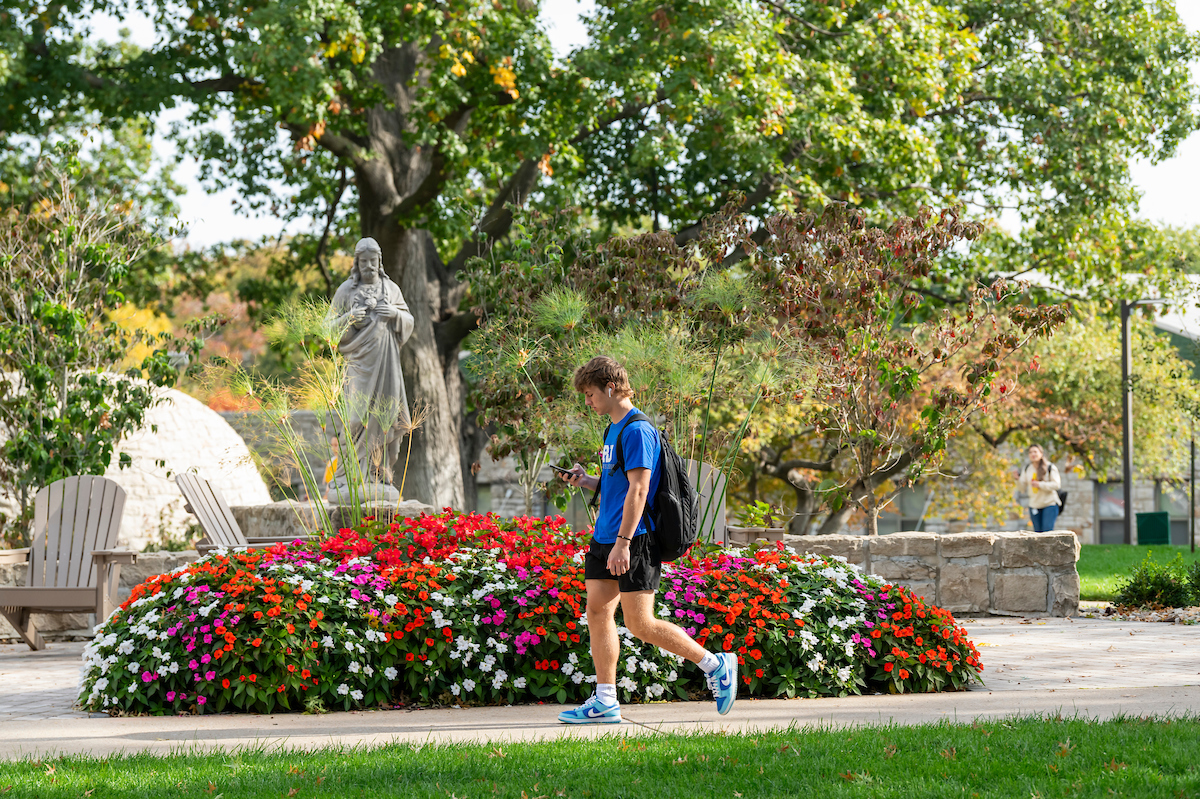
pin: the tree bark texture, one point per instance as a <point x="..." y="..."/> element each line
<point x="390" y="176"/>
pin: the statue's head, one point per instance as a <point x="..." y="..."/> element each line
<point x="367" y="255"/>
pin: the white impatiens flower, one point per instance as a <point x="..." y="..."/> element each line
<point x="390" y="673"/>
<point x="468" y="685"/>
<point x="576" y="678"/>
<point x="390" y="600"/>
<point x="568" y="669"/>
<point x="631" y="664"/>
<point x="354" y="668"/>
<point x="356" y="695"/>
<point x="673" y="676"/>
<point x="343" y="689"/>
<point x="627" y="684"/>
<point x="843" y="674"/>
<point x="125" y="648"/>
<point x="327" y="641"/>
<point x="455" y="689"/>
<point x="815" y="663"/>
<point x="368" y="670"/>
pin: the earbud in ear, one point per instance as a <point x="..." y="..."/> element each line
<point x="610" y="392"/>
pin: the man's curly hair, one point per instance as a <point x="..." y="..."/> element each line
<point x="599" y="372"/>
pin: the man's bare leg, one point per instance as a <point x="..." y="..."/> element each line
<point x="603" y="596"/>
<point x="637" y="607"/>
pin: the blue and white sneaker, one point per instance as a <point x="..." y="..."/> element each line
<point x="723" y="681"/>
<point x="592" y="711"/>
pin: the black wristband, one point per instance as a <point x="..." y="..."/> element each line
<point x="623" y="538"/>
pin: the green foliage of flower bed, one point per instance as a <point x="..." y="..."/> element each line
<point x="1019" y="758"/>
<point x="471" y="609"/>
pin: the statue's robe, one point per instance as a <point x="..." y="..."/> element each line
<point x="376" y="415"/>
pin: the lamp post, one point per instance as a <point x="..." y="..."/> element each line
<point x="1127" y="307"/>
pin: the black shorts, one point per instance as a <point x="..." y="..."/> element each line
<point x="645" y="568"/>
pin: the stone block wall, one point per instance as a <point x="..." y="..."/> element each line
<point x="968" y="573"/>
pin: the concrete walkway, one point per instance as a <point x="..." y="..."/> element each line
<point x="1096" y="668"/>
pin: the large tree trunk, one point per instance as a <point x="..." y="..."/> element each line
<point x="431" y="470"/>
<point x="432" y="378"/>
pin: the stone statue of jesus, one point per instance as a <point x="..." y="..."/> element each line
<point x="376" y="322"/>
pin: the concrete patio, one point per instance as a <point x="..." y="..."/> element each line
<point x="1090" y="667"/>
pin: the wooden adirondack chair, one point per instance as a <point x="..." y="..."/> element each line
<point x="221" y="529"/>
<point x="72" y="564"/>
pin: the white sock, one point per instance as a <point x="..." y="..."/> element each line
<point x="606" y="693"/>
<point x="709" y="663"/>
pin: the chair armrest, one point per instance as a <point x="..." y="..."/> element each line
<point x="14" y="555"/>
<point x="114" y="556"/>
<point x="278" y="539"/>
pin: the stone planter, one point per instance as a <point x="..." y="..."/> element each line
<point x="747" y="535"/>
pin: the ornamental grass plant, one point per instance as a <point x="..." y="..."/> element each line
<point x="472" y="609"/>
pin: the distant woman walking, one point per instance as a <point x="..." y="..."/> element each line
<point x="1041" y="481"/>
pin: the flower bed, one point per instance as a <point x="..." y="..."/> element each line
<point x="472" y="609"/>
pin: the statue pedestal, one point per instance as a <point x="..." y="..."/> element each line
<point x="387" y="512"/>
<point x="340" y="493"/>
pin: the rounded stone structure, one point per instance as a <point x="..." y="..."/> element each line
<point x="180" y="433"/>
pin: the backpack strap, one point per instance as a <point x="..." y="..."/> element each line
<point x="619" y="460"/>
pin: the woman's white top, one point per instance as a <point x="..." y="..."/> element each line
<point x="1045" y="493"/>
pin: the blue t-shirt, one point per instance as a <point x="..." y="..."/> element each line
<point x="639" y="445"/>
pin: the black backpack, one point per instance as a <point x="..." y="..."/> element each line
<point x="673" y="514"/>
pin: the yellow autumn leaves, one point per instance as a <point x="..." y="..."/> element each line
<point x="502" y="74"/>
<point x="348" y="44"/>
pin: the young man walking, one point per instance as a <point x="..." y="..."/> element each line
<point x="622" y="565"/>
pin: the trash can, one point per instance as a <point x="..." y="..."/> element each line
<point x="1154" y="528"/>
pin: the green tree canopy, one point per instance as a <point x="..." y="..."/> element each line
<point x="421" y="123"/>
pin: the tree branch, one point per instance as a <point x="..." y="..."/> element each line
<point x="343" y="181"/>
<point x="760" y="194"/>
<point x="787" y="12"/>
<point x="996" y="441"/>
<point x="341" y="146"/>
<point x="498" y="219"/>
<point x="628" y="111"/>
<point x="450" y="331"/>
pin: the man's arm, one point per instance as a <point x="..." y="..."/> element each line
<point x="635" y="502"/>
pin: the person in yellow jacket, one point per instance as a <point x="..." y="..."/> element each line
<point x="331" y="467"/>
<point x="1040" y="480"/>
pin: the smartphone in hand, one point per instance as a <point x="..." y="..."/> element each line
<point x="561" y="470"/>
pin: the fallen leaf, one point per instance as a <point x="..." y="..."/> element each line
<point x="497" y="752"/>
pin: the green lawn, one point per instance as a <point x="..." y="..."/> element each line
<point x="1102" y="567"/>
<point x="1016" y="758"/>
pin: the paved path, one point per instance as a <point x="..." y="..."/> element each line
<point x="1097" y="668"/>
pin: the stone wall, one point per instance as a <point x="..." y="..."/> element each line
<point x="968" y="573"/>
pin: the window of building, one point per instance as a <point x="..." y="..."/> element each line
<point x="1173" y="498"/>
<point x="905" y="513"/>
<point x="1110" y="512"/>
